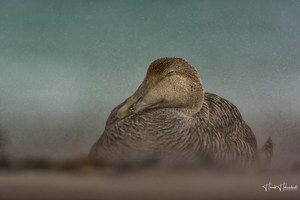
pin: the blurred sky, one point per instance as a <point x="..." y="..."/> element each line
<point x="66" y="64"/>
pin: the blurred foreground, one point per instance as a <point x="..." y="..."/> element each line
<point x="36" y="179"/>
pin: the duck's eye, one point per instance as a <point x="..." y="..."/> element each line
<point x="171" y="71"/>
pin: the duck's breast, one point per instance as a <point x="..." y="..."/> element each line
<point x="154" y="133"/>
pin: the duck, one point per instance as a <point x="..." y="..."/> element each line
<point x="171" y="119"/>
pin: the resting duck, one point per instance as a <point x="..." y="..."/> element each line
<point x="171" y="119"/>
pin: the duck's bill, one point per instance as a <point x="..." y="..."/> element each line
<point x="137" y="103"/>
<point x="131" y="106"/>
<point x="145" y="97"/>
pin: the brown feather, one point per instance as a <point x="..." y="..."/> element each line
<point x="185" y="124"/>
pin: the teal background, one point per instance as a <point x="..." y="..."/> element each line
<point x="65" y="65"/>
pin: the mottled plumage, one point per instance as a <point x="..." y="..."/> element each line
<point x="171" y="119"/>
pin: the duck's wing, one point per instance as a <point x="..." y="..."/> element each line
<point x="228" y="122"/>
<point x="222" y="114"/>
<point x="226" y="118"/>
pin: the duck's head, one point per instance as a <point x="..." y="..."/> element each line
<point x="169" y="83"/>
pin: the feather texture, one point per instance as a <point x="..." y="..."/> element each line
<point x="212" y="129"/>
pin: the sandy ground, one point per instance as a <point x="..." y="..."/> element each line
<point x="143" y="184"/>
